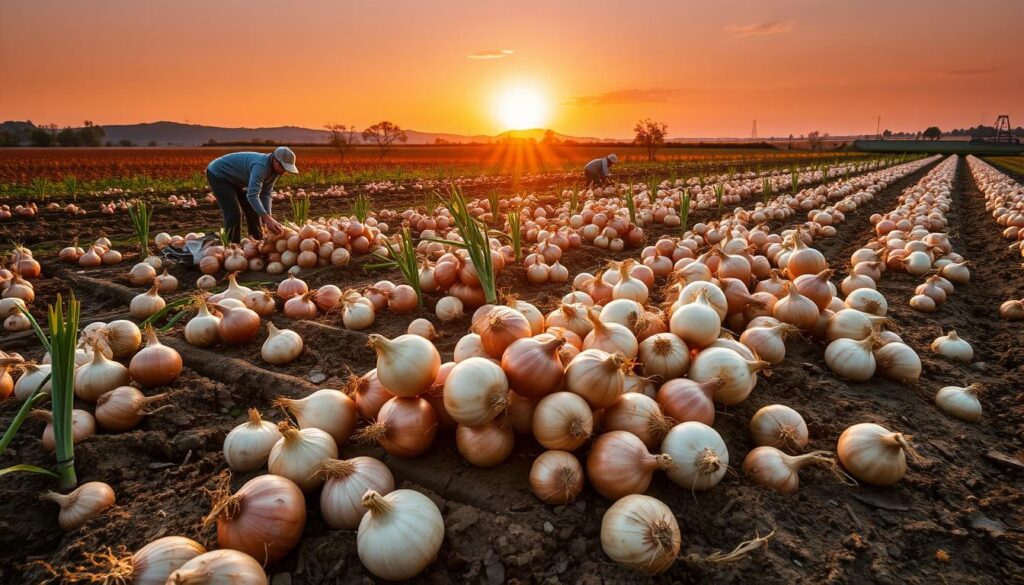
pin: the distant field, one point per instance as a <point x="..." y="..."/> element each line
<point x="165" y="168"/>
<point x="1013" y="164"/>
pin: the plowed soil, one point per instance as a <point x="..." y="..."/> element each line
<point x="956" y="517"/>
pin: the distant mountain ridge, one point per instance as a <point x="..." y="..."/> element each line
<point x="178" y="134"/>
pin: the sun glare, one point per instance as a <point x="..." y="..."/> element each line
<point x="521" y="108"/>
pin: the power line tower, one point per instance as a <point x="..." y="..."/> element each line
<point x="878" y="129"/>
<point x="753" y="132"/>
<point x="1004" y="132"/>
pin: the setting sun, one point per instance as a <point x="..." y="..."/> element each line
<point x="521" y="108"/>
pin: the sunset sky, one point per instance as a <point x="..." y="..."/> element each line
<point x="581" y="68"/>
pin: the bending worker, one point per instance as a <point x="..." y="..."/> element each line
<point x="243" y="182"/>
<point x="599" y="171"/>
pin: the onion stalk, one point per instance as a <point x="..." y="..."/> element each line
<point x="61" y="344"/>
<point x="403" y="257"/>
<point x="475" y="241"/>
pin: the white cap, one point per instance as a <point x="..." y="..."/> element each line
<point x="286" y="157"/>
<point x="612" y="158"/>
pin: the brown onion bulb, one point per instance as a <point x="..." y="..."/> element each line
<point x="556" y="477"/>
<point x="619" y="465"/>
<point x="779" y="426"/>
<point x="685" y="400"/>
<point x="486" y="445"/>
<point x="156" y="364"/>
<point x="639" y="415"/>
<point x="123" y="408"/>
<point x="370" y="395"/>
<point x="562" y="420"/>
<point x="83" y="504"/>
<point x="238" y="325"/>
<point x="263" y="519"/>
<point x="499" y="328"/>
<point x="533" y="367"/>
<point x="405" y="427"/>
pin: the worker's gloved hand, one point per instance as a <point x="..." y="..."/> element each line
<point x="272" y="225"/>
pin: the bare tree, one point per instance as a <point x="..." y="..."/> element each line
<point x="650" y="134"/>
<point x="384" y="134"/>
<point x="343" y="138"/>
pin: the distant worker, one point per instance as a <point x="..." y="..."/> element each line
<point x="243" y="183"/>
<point x="599" y="171"/>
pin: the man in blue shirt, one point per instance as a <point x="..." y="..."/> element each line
<point x="243" y="183"/>
<point x="599" y="171"/>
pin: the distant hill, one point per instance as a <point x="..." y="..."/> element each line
<point x="178" y="134"/>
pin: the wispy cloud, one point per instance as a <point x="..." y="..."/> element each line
<point x="760" y="29"/>
<point x="625" y="96"/>
<point x="493" y="54"/>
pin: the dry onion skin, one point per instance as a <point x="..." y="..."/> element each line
<point x="154" y="563"/>
<point x="873" y="454"/>
<point x="640" y="532"/>
<point x="619" y="465"/>
<point x="263" y="519"/>
<point x="699" y="456"/>
<point x="84" y="503"/>
<point x="779" y="426"/>
<point x="247" y="446"/>
<point x="562" y="420"/>
<point x="773" y="469"/>
<point x="485" y="445"/>
<point x="345" y="482"/>
<point x="220" y="567"/>
<point x="331" y="411"/>
<point x="961" y="403"/>
<point x="400" y="534"/>
<point x="298" y="453"/>
<point x="556" y="477"/>
<point x="406" y="365"/>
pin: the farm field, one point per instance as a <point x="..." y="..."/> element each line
<point x="74" y="172"/>
<point x="832" y="254"/>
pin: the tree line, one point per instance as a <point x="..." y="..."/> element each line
<point x="935" y="133"/>
<point x="52" y="135"/>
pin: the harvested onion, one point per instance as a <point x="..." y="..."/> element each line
<point x="263" y="519"/>
<point x="873" y="454"/>
<point x="776" y="470"/>
<point x="556" y="477"/>
<point x="619" y="464"/>
<point x="220" y="567"/>
<point x="83" y="504"/>
<point x="156" y="364"/>
<point x="298" y="453"/>
<point x="699" y="456"/>
<point x="341" y="499"/>
<point x="961" y="403"/>
<point x="400" y="534"/>
<point x="640" y="532"/>
<point x="247" y="446"/>
<point x="406" y="365"/>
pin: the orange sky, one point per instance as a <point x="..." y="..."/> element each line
<point x="705" y="68"/>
